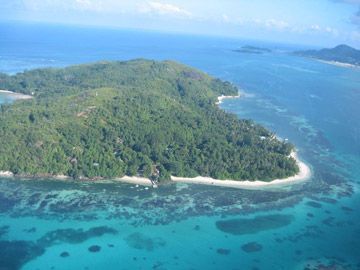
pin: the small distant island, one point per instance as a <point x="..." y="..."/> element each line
<point x="139" y="118"/>
<point x="252" y="49"/>
<point x="342" y="55"/>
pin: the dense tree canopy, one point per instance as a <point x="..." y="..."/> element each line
<point x="140" y="117"/>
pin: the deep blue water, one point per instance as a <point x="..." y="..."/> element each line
<point x="52" y="225"/>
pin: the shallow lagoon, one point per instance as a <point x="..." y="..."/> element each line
<point x="59" y="225"/>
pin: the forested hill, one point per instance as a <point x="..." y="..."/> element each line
<point x="140" y="117"/>
<point x="341" y="53"/>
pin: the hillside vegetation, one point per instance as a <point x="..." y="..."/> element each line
<point x="141" y="117"/>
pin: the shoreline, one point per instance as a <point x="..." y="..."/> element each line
<point x="303" y="175"/>
<point x="136" y="180"/>
<point x="222" y="97"/>
<point x="15" y="95"/>
<point x="338" y="64"/>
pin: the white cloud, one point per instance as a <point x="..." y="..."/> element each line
<point x="269" y="24"/>
<point x="315" y="27"/>
<point x="158" y="8"/>
<point x="276" y="24"/>
<point x="90" y="5"/>
<point x="225" y="18"/>
<point x="64" y="5"/>
<point x="328" y="29"/>
<point x="355" y="36"/>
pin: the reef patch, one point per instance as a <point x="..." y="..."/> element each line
<point x="141" y="241"/>
<point x="14" y="254"/>
<point x="242" y="226"/>
<point x="94" y="248"/>
<point x="252" y="247"/>
<point x="73" y="236"/>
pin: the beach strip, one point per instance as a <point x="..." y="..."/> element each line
<point x="303" y="175"/>
<point x="339" y="64"/>
<point x="15" y="95"/>
<point x="222" y="97"/>
<point x="136" y="180"/>
<point x="6" y="174"/>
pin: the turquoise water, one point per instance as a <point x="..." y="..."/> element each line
<point x="58" y="225"/>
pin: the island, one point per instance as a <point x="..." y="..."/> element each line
<point x="252" y="49"/>
<point x="341" y="55"/>
<point x="133" y="120"/>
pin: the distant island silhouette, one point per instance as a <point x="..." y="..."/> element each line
<point x="341" y="54"/>
<point x="252" y="49"/>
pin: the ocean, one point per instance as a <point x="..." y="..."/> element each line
<point x="47" y="224"/>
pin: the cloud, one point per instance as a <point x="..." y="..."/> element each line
<point x="355" y="19"/>
<point x="315" y="27"/>
<point x="355" y="36"/>
<point x="225" y="18"/>
<point x="158" y="8"/>
<point x="276" y="24"/>
<point x="64" y="5"/>
<point x="269" y="24"/>
<point x="89" y="5"/>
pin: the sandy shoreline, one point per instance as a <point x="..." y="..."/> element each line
<point x="222" y="97"/>
<point x="339" y="64"/>
<point x="303" y="175"/>
<point x="6" y="174"/>
<point x="15" y="95"/>
<point x="136" y="180"/>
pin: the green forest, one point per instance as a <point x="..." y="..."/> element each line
<point x="140" y="117"/>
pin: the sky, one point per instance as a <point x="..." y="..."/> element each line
<point x="310" y="22"/>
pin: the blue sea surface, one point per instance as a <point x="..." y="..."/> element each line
<point x="46" y="224"/>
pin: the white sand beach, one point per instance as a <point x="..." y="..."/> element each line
<point x="303" y="175"/>
<point x="136" y="180"/>
<point x="221" y="98"/>
<point x="6" y="174"/>
<point x="15" y="95"/>
<point x="339" y="64"/>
